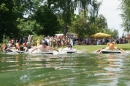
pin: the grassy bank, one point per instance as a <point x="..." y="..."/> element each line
<point x="90" y="48"/>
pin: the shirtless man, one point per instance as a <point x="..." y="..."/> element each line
<point x="43" y="47"/>
<point x="5" y="48"/>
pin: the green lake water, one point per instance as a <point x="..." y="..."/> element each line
<point x="65" y="70"/>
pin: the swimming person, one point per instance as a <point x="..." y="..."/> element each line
<point x="43" y="47"/>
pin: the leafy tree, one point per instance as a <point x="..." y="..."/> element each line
<point x="7" y="19"/>
<point x="27" y="27"/>
<point x="42" y="17"/>
<point x="94" y="10"/>
<point x="67" y="7"/>
<point x="100" y="24"/>
<point x="101" y="21"/>
<point x="84" y="27"/>
<point x="47" y="20"/>
<point x="113" y="32"/>
<point x="80" y="27"/>
<point x="125" y="5"/>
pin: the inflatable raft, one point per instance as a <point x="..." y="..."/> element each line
<point x="66" y="50"/>
<point x="105" y="51"/>
<point x="38" y="52"/>
<point x="60" y="51"/>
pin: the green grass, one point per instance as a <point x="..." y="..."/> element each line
<point x="90" y="48"/>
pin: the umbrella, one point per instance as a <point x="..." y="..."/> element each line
<point x="100" y="35"/>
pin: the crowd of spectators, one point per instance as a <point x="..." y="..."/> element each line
<point x="23" y="44"/>
<point x="62" y="41"/>
<point x="59" y="41"/>
<point x="102" y="41"/>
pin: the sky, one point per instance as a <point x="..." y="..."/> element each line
<point x="109" y="8"/>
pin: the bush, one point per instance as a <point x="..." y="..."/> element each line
<point x="36" y="37"/>
<point x="5" y="39"/>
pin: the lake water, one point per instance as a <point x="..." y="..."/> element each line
<point x="65" y="70"/>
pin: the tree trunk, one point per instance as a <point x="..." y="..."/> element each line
<point x="65" y="29"/>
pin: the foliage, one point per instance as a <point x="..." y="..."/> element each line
<point x="101" y="22"/>
<point x="47" y="20"/>
<point x="28" y="27"/>
<point x="113" y="32"/>
<point x="7" y="19"/>
<point x="79" y="26"/>
<point x="36" y="37"/>
<point x="47" y="17"/>
<point x="5" y="39"/>
<point x="125" y="5"/>
<point x="84" y="27"/>
<point x="94" y="10"/>
<point x="66" y="9"/>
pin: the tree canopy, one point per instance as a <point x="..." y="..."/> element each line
<point x="48" y="17"/>
<point x="125" y="5"/>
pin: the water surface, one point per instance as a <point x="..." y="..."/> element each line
<point x="65" y="70"/>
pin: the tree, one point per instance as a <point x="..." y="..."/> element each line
<point x="27" y="27"/>
<point x="67" y="7"/>
<point x="9" y="12"/>
<point x="7" y="19"/>
<point x="114" y="33"/>
<point x="84" y="27"/>
<point x="47" y="20"/>
<point x="94" y="10"/>
<point x="80" y="27"/>
<point x="45" y="13"/>
<point x="102" y="23"/>
<point x="125" y="5"/>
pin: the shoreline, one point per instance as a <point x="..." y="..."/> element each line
<point x="91" y="48"/>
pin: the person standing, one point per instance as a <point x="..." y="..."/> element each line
<point x="71" y="42"/>
<point x="38" y="42"/>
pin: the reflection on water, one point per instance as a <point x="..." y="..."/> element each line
<point x="65" y="70"/>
